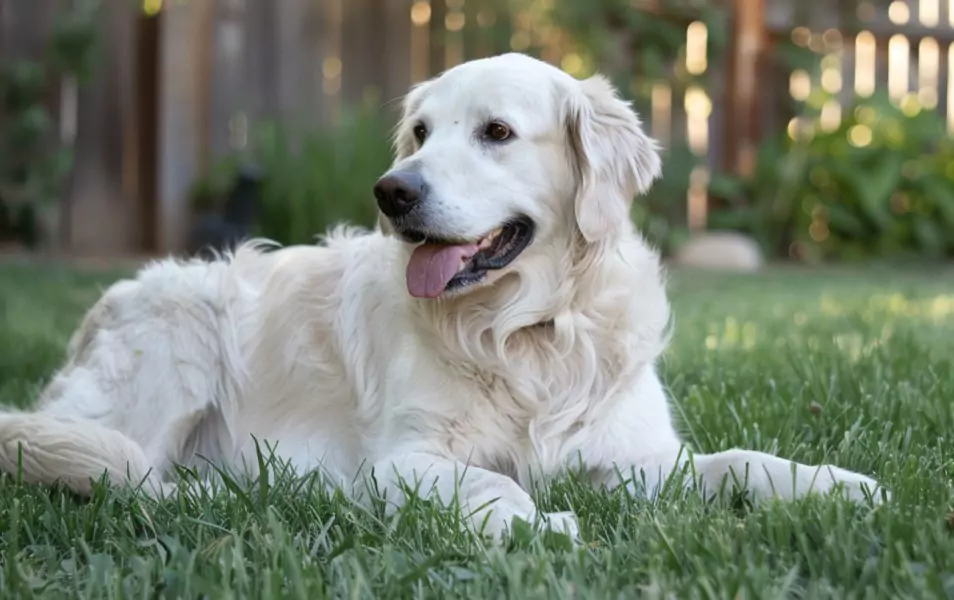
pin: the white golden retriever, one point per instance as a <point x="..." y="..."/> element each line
<point x="504" y="322"/>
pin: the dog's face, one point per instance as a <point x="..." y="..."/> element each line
<point x="500" y="159"/>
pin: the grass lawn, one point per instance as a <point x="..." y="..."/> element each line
<point x="850" y="367"/>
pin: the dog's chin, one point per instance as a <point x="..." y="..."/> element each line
<point x="446" y="267"/>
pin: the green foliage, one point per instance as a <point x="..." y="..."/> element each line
<point x="34" y="163"/>
<point x="324" y="178"/>
<point x="74" y="45"/>
<point x="880" y="185"/>
<point x="311" y="181"/>
<point x="651" y="40"/>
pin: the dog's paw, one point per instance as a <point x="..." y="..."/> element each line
<point x="563" y="522"/>
<point x="504" y="523"/>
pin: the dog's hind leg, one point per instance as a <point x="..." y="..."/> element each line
<point x="142" y="372"/>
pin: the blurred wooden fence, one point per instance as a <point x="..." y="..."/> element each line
<point x="183" y="81"/>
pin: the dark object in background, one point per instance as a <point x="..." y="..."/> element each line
<point x="18" y="226"/>
<point x="216" y="233"/>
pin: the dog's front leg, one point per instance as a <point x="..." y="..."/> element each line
<point x="768" y="476"/>
<point x="490" y="501"/>
<point x="761" y="475"/>
<point x="638" y="446"/>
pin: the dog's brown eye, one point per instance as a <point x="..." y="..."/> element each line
<point x="497" y="132"/>
<point x="420" y="133"/>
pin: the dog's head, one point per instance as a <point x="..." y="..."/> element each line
<point x="500" y="163"/>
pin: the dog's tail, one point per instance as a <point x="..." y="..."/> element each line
<point x="46" y="449"/>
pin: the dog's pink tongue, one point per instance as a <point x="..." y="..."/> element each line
<point x="432" y="266"/>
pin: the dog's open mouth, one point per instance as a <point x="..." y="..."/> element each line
<point x="438" y="265"/>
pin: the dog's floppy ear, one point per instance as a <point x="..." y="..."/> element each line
<point x="616" y="159"/>
<point x="403" y="140"/>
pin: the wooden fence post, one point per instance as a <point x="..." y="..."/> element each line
<point x="397" y="66"/>
<point x="742" y="109"/>
<point x="104" y="216"/>
<point x="184" y="32"/>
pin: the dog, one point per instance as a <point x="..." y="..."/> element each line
<point x="501" y="325"/>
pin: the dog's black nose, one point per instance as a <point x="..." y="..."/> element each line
<point x="399" y="192"/>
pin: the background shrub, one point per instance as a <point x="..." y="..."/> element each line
<point x="880" y="185"/>
<point x="311" y="181"/>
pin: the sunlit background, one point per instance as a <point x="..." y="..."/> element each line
<point x="819" y="128"/>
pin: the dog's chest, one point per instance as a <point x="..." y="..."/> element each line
<point x="511" y="425"/>
<point x="512" y="410"/>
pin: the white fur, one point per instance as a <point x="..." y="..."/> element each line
<point x="321" y="352"/>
